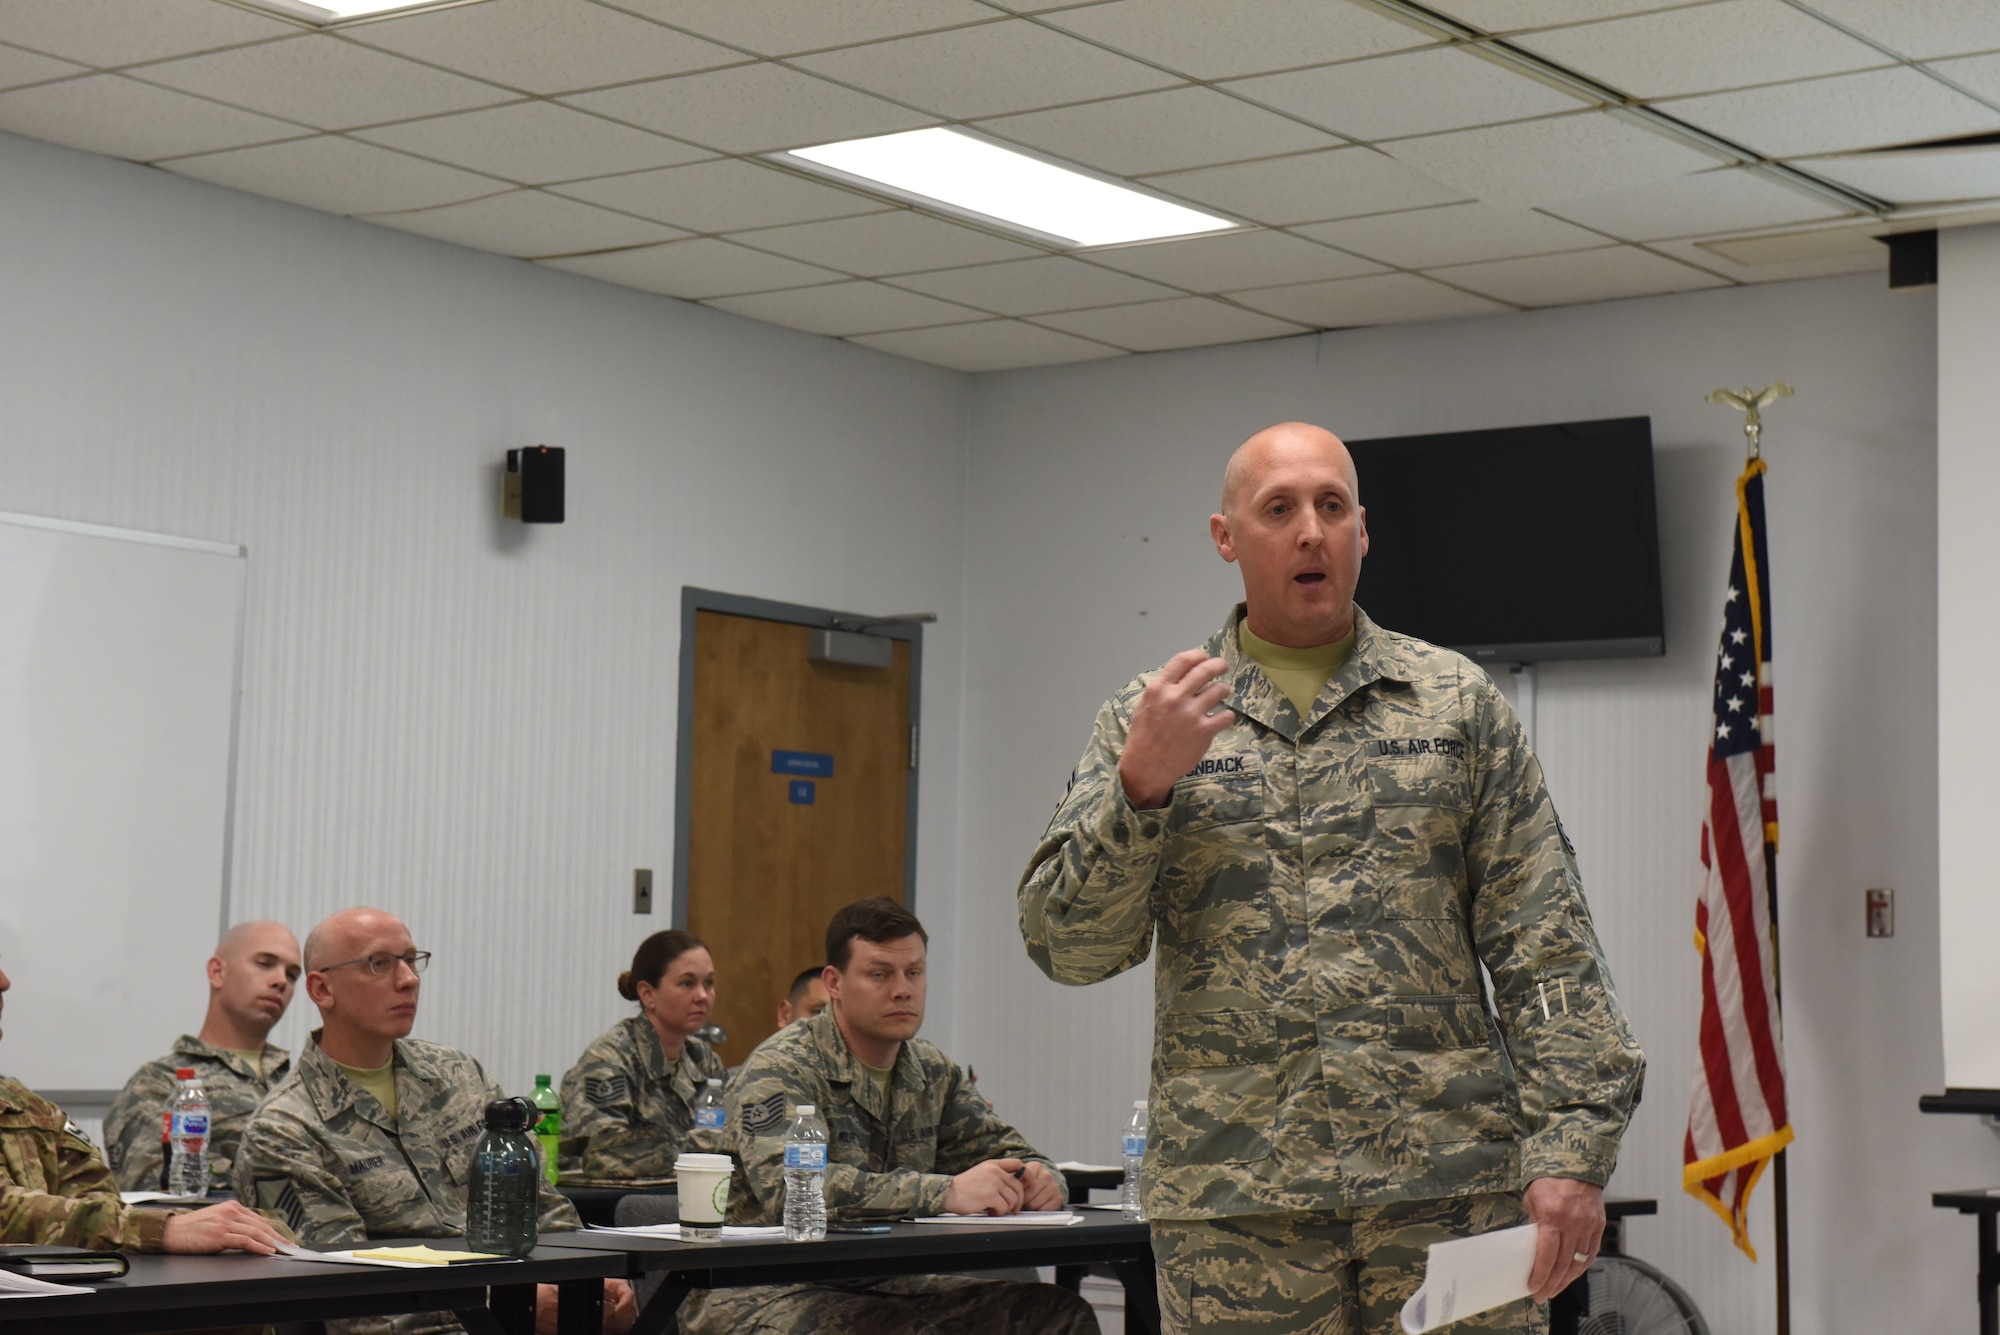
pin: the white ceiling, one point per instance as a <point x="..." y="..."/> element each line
<point x="1390" y="161"/>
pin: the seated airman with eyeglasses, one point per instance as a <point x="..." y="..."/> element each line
<point x="371" y="1135"/>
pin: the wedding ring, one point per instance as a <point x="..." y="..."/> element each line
<point x="1581" y="1258"/>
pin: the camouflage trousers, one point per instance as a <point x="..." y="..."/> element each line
<point x="917" y="1305"/>
<point x="1344" y="1273"/>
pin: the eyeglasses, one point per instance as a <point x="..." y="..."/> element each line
<point x="418" y="960"/>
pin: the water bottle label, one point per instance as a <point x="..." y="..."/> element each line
<point x="805" y="1156"/>
<point x="1135" y="1146"/>
<point x="191" y="1124"/>
<point x="710" y="1119"/>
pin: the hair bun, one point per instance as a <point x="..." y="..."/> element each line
<point x="625" y="988"/>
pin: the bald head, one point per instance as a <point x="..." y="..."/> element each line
<point x="347" y="934"/>
<point x="362" y="1011"/>
<point x="1256" y="456"/>
<point x="250" y="980"/>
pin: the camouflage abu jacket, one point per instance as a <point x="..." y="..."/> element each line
<point x="1323" y="892"/>
<point x="323" y="1155"/>
<point x="626" y="1112"/>
<point x="132" y="1127"/>
<point x="54" y="1188"/>
<point x="881" y="1163"/>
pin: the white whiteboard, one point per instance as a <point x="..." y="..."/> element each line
<point x="120" y="657"/>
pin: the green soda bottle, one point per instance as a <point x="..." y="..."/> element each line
<point x="549" y="1129"/>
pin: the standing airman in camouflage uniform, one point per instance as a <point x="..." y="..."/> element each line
<point x="907" y="1135"/>
<point x="250" y="981"/>
<point x="54" y="1190"/>
<point x="371" y="1135"/>
<point x="1325" y="864"/>
<point x="628" y="1103"/>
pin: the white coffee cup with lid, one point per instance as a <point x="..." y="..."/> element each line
<point x="702" y="1183"/>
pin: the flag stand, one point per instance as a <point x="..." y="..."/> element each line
<point x="1749" y="402"/>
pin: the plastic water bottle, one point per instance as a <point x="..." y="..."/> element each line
<point x="548" y="1131"/>
<point x="502" y="1205"/>
<point x="1135" y="1157"/>
<point x="708" y="1113"/>
<point x="805" y="1177"/>
<point x="187" y="1138"/>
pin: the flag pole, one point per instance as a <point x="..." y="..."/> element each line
<point x="1749" y="402"/>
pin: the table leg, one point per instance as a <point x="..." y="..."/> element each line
<point x="1142" y="1294"/>
<point x="512" y="1308"/>
<point x="1071" y="1277"/>
<point x="1989" y="1276"/>
<point x="580" y="1307"/>
<point x="662" y="1315"/>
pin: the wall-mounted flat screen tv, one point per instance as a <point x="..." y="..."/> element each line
<point x="1518" y="545"/>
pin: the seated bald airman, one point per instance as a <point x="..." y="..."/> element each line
<point x="55" y="1190"/>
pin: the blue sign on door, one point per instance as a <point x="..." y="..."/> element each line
<point x="814" y="764"/>
<point x="802" y="792"/>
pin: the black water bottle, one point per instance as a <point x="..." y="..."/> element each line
<point x="501" y="1198"/>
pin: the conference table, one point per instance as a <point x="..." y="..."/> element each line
<point x="169" y="1293"/>
<point x="1103" y="1237"/>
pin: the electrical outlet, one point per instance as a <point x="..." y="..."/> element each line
<point x="1881" y="912"/>
<point x="642" y="890"/>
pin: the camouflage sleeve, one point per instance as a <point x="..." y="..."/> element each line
<point x="283" y="1169"/>
<point x="132" y="1128"/>
<point x="1579" y="1067"/>
<point x="970" y="1133"/>
<point x="602" y="1135"/>
<point x="82" y="1211"/>
<point x="760" y="1103"/>
<point x="1086" y="899"/>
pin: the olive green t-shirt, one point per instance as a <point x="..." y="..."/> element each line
<point x="879" y="1077"/>
<point x="255" y="1060"/>
<point x="1299" y="673"/>
<point x="379" y="1081"/>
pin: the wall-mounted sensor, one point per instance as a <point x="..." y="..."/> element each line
<point x="532" y="487"/>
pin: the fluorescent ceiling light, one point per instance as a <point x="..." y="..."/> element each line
<point x="334" y="11"/>
<point x="974" y="176"/>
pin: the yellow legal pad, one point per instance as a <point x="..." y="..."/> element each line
<point x="422" y="1255"/>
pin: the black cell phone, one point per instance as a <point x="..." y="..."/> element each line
<point x="857" y="1228"/>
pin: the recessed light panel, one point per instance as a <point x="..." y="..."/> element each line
<point x="335" y="11"/>
<point x="971" y="175"/>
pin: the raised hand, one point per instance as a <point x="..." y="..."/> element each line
<point x="1176" y="718"/>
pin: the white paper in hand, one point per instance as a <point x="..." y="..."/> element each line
<point x="1469" y="1275"/>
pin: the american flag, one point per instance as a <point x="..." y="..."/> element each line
<point x="1737" y="1119"/>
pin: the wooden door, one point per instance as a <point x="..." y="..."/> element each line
<point x="770" y="860"/>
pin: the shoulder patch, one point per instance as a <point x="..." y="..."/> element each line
<point x="281" y="1198"/>
<point x="605" y="1090"/>
<point x="762" y="1116"/>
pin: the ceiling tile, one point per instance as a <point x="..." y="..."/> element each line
<point x="987" y="70"/>
<point x="1232" y="260"/>
<point x="1727" y="200"/>
<point x="324" y="81"/>
<point x="1034" y="287"/>
<point x="1977" y="74"/>
<point x="1920" y="29"/>
<point x="886" y="243"/>
<point x="112" y="115"/>
<point x="1539" y="162"/>
<point x="726" y="195"/>
<point x="534" y="143"/>
<point x="1211" y="41"/>
<point x="991" y="345"/>
<point x="840" y="309"/>
<point x="337" y="175"/>
<point x="544" y="46"/>
<point x="787" y="27"/>
<point x="1453" y="234"/>
<point x="1514" y="15"/>
<point x="1390" y="298"/>
<point x="1578" y="276"/>
<point x="1333" y="183"/>
<point x="528" y="223"/>
<point x="1417" y="92"/>
<point x="1920" y="177"/>
<point x="18" y="67"/>
<point x="108" y="33"/>
<point x="1838" y="114"/>
<point x="751" y="109"/>
<point x="1684" y="51"/>
<point x="1846" y="261"/>
<point x="1157" y="132"/>
<point x="1184" y="322"/>
<point x="703" y="267"/>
